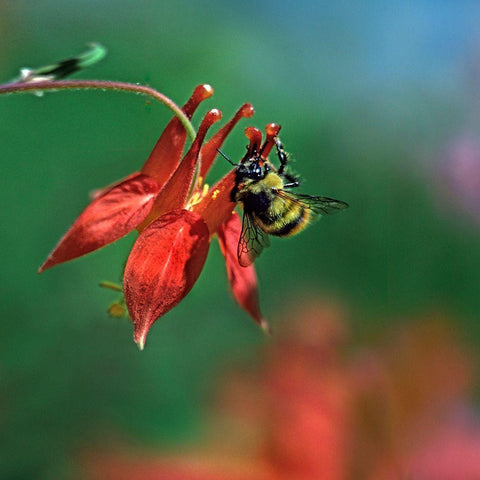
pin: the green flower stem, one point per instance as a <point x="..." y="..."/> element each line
<point x="55" y="85"/>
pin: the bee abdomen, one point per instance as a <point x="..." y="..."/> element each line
<point x="291" y="223"/>
<point x="267" y="218"/>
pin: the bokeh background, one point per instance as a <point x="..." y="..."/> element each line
<point x="379" y="106"/>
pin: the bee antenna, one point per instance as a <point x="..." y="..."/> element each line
<point x="226" y="158"/>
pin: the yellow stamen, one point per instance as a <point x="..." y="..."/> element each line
<point x="197" y="197"/>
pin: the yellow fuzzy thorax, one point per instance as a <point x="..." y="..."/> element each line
<point x="271" y="180"/>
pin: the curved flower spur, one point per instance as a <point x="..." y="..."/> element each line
<point x="175" y="214"/>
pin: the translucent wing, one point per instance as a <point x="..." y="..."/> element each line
<point x="316" y="203"/>
<point x="252" y="241"/>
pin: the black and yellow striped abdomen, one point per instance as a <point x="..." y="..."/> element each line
<point x="277" y="214"/>
<point x="283" y="217"/>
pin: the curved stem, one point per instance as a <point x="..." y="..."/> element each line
<point x="52" y="86"/>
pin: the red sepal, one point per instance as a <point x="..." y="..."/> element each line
<point x="109" y="217"/>
<point x="243" y="280"/>
<point x="163" y="266"/>
<point x="98" y="192"/>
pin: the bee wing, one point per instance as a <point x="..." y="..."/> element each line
<point x="317" y="204"/>
<point x="252" y="241"/>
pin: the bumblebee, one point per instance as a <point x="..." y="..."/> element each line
<point x="269" y="207"/>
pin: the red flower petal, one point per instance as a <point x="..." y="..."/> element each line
<point x="209" y="150"/>
<point x="217" y="206"/>
<point x="166" y="154"/>
<point x="243" y="280"/>
<point x="175" y="193"/>
<point x="108" y="218"/>
<point x="98" y="192"/>
<point x="164" y="263"/>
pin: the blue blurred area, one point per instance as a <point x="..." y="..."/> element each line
<point x="371" y="96"/>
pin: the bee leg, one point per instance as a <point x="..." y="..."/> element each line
<point x="282" y="155"/>
<point x="292" y="181"/>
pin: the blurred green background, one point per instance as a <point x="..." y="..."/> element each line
<point x="375" y="99"/>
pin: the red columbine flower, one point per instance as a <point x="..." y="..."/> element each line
<point x="176" y="215"/>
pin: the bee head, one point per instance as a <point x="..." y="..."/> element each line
<point x="254" y="168"/>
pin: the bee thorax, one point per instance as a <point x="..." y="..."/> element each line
<point x="256" y="202"/>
